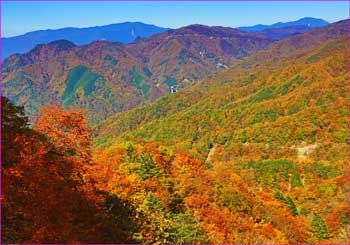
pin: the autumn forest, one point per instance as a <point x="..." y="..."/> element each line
<point x="193" y="135"/>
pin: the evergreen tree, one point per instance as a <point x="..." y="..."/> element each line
<point x="320" y="227"/>
<point x="296" y="181"/>
<point x="291" y="206"/>
<point x="13" y="123"/>
<point x="279" y="196"/>
<point x="288" y="201"/>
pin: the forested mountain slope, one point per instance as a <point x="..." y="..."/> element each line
<point x="257" y="153"/>
<point x="105" y="77"/>
<point x="223" y="93"/>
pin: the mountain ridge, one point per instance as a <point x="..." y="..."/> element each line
<point x="137" y="72"/>
<point x="306" y="21"/>
<point x="124" y="32"/>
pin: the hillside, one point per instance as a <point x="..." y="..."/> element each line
<point x="105" y="77"/>
<point x="122" y="32"/>
<point x="242" y="81"/>
<point x="251" y="149"/>
<point x="253" y="154"/>
<point x="255" y="107"/>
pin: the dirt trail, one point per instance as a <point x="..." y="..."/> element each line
<point x="211" y="153"/>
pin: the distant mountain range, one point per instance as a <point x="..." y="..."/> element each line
<point x="282" y="30"/>
<point x="123" y="32"/>
<point x="130" y="31"/>
<point x="306" y="22"/>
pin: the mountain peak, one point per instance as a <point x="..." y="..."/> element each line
<point x="215" y="31"/>
<point x="62" y="44"/>
<point x="58" y="45"/>
<point x="311" y="22"/>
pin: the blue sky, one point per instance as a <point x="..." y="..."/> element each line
<point x="21" y="17"/>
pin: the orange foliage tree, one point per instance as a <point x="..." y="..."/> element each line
<point x="45" y="196"/>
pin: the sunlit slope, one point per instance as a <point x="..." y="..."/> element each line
<point x="263" y="63"/>
<point x="282" y="102"/>
<point x="104" y="77"/>
<point x="257" y="153"/>
<point x="269" y="153"/>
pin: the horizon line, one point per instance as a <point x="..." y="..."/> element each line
<point x="128" y="21"/>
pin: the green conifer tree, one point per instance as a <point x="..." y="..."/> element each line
<point x="320" y="227"/>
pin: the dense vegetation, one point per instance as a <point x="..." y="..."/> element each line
<point x="48" y="195"/>
<point x="108" y="77"/>
<point x="272" y="150"/>
<point x="276" y="120"/>
<point x="257" y="153"/>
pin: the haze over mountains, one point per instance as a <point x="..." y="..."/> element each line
<point x="282" y="30"/>
<point x="307" y="22"/>
<point x="128" y="31"/>
<point x="123" y="32"/>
